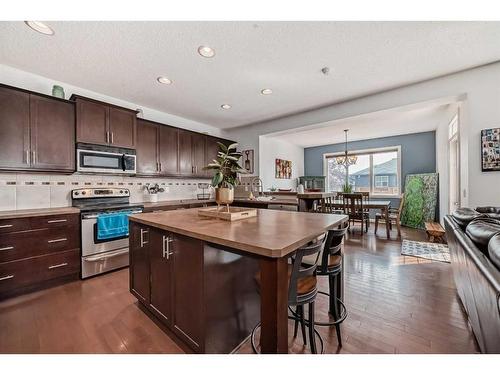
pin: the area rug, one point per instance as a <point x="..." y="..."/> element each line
<point x="426" y="250"/>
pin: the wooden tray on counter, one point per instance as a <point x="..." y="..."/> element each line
<point x="234" y="213"/>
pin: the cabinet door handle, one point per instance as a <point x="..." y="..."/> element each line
<point x="6" y="226"/>
<point x="160" y="166"/>
<point x="6" y="277"/>
<point x="112" y="138"/>
<point x="57" y="240"/>
<point x="57" y="221"/>
<point x="166" y="247"/>
<point x="107" y="137"/>
<point x="33" y="157"/>
<point x="157" y="167"/>
<point x="57" y="266"/>
<point x="6" y="248"/>
<point x="28" y="157"/>
<point x="143" y="232"/>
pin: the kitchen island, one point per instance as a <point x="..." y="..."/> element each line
<point x="195" y="274"/>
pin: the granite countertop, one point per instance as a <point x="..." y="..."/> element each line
<point x="14" y="214"/>
<point x="272" y="233"/>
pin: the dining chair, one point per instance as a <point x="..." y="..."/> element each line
<point x="394" y="216"/>
<point x="353" y="207"/>
<point x="366" y="198"/>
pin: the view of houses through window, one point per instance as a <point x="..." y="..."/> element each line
<point x="375" y="172"/>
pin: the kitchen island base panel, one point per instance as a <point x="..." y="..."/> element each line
<point x="209" y="299"/>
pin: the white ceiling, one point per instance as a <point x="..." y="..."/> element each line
<point x="123" y="59"/>
<point x="386" y="123"/>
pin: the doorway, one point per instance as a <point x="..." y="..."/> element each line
<point x="454" y="164"/>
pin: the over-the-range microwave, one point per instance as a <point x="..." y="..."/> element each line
<point x="105" y="159"/>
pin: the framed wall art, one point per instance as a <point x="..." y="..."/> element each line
<point x="247" y="160"/>
<point x="283" y="169"/>
<point x="490" y="150"/>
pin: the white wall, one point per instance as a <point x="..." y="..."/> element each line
<point x="29" y="81"/>
<point x="480" y="110"/>
<point x="271" y="149"/>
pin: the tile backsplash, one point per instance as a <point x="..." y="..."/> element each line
<point x="29" y="191"/>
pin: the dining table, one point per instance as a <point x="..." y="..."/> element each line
<point x="370" y="204"/>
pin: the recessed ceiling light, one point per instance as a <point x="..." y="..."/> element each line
<point x="266" y="91"/>
<point x="164" y="80"/>
<point x="40" y="27"/>
<point x="206" y="51"/>
<point x="225" y="106"/>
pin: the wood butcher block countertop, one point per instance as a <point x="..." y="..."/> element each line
<point x="14" y="214"/>
<point x="272" y="233"/>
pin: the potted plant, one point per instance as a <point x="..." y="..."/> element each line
<point x="346" y="188"/>
<point x="226" y="167"/>
<point x="153" y="191"/>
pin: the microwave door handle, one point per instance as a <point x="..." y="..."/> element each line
<point x="123" y="163"/>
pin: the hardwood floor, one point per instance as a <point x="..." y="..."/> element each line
<point x="396" y="304"/>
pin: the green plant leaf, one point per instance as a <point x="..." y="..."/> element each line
<point x="217" y="179"/>
<point x="232" y="146"/>
<point x="222" y="146"/>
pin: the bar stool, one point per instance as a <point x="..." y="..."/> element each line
<point x="302" y="291"/>
<point x="331" y="265"/>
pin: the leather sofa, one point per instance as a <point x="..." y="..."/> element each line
<point x="474" y="243"/>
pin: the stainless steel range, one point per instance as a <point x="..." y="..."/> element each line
<point x="102" y="255"/>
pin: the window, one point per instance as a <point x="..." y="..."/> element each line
<point x="375" y="171"/>
<point x="381" y="181"/>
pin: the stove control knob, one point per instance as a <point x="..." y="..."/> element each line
<point x="121" y="191"/>
<point x="84" y="192"/>
<point x="76" y="193"/>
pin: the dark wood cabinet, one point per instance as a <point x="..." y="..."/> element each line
<point x="185" y="153"/>
<point x="37" y="132"/>
<point x="92" y="122"/>
<point x="188" y="289"/>
<point x="105" y="124"/>
<point x="168" y="148"/>
<point x="139" y="240"/>
<point x="157" y="149"/>
<point x="147" y="148"/>
<point x="38" y="250"/>
<point x="52" y="134"/>
<point x="14" y="129"/>
<point x="122" y="127"/>
<point x="161" y="264"/>
<point x="202" y="293"/>
<point x="199" y="154"/>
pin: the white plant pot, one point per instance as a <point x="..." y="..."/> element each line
<point x="153" y="198"/>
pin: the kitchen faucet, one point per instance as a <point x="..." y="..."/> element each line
<point x="260" y="185"/>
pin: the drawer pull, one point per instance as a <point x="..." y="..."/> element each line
<point x="57" y="221"/>
<point x="7" y="226"/>
<point x="6" y="277"/>
<point x="57" y="240"/>
<point x="58" y="266"/>
<point x="6" y="248"/>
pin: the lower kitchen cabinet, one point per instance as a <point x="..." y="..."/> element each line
<point x="160" y="261"/>
<point x="139" y="244"/>
<point x="38" y="251"/>
<point x="204" y="295"/>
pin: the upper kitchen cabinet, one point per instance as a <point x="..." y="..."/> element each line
<point x="37" y="132"/>
<point x="52" y="134"/>
<point x="192" y="154"/>
<point x="157" y="149"/>
<point x="105" y="124"/>
<point x="14" y="129"/>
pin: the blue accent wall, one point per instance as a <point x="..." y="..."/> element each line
<point x="418" y="154"/>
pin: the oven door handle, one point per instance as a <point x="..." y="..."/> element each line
<point x="94" y="216"/>
<point x="104" y="257"/>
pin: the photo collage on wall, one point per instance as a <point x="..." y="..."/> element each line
<point x="283" y="169"/>
<point x="490" y="149"/>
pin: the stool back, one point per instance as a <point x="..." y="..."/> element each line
<point x="300" y="271"/>
<point x="333" y="245"/>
